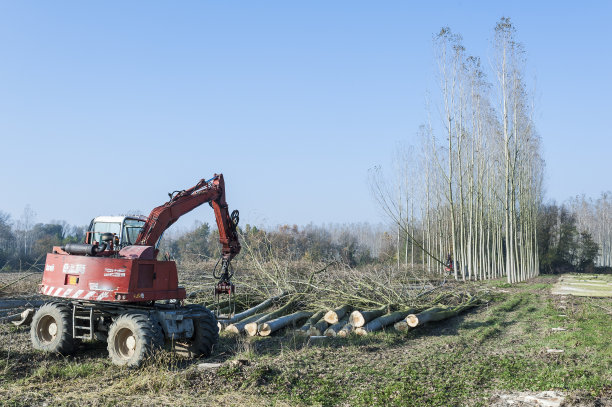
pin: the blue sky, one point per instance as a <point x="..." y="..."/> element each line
<point x="107" y="106"/>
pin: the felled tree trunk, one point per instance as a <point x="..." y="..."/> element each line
<point x="267" y="328"/>
<point x="438" y="313"/>
<point x="360" y="318"/>
<point x="381" y="322"/>
<point x="401" y="326"/>
<point x="251" y="327"/>
<point x="346" y="330"/>
<point x="335" y="315"/>
<point x="318" y="328"/>
<point x="254" y="310"/>
<point x="335" y="328"/>
<point x="238" y="327"/>
<point x="311" y="321"/>
<point x="24" y="318"/>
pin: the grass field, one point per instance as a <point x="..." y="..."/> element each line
<point x="587" y="285"/>
<point x="496" y="349"/>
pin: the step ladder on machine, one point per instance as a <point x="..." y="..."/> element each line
<point x="82" y="322"/>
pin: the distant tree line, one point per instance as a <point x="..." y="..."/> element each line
<point x="24" y="242"/>
<point x="353" y="244"/>
<point x="595" y="217"/>
<point x="564" y="244"/>
<point x="576" y="236"/>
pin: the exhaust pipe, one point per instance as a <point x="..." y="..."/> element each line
<point x="84" y="249"/>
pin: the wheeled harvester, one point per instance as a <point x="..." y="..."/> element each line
<point x="112" y="287"/>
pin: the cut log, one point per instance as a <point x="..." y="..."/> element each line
<point x="256" y="309"/>
<point x="318" y="328"/>
<point x="238" y="327"/>
<point x="360" y="318"/>
<point x="401" y="326"/>
<point x="266" y="328"/>
<point x="335" y="315"/>
<point x="311" y="321"/>
<point x="381" y="322"/>
<point x="251" y="327"/>
<point x="23" y="318"/>
<point x="335" y="328"/>
<point x="438" y="313"/>
<point x="346" y="330"/>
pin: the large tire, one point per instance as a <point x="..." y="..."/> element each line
<point x="131" y="337"/>
<point x="205" y="335"/>
<point x="51" y="329"/>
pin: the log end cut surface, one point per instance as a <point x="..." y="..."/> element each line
<point x="330" y="332"/>
<point x="361" y="331"/>
<point x="357" y="319"/>
<point x="251" y="328"/>
<point x="264" y="329"/>
<point x="331" y="317"/>
<point x="412" y="320"/>
<point x="401" y="326"/>
<point x="313" y="331"/>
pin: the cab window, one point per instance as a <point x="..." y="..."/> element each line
<point x="105" y="227"/>
<point x="131" y="229"/>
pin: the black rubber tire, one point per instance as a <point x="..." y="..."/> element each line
<point x="51" y="329"/>
<point x="159" y="340"/>
<point x="132" y="337"/>
<point x="205" y="334"/>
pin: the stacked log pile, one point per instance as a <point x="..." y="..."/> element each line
<point x="335" y="328"/>
<point x="268" y="317"/>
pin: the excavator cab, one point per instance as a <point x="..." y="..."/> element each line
<point x="125" y="229"/>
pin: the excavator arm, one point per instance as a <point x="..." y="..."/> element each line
<point x="182" y="202"/>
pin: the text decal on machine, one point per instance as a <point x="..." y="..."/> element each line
<point x="73" y="268"/>
<point x="114" y="272"/>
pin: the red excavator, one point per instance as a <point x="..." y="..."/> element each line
<point x="113" y="287"/>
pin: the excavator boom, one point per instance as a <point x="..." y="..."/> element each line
<point x="182" y="202"/>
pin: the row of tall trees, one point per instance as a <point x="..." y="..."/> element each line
<point x="470" y="192"/>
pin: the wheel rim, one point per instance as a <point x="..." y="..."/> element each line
<point x="125" y="343"/>
<point x="47" y="329"/>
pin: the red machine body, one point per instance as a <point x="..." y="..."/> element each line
<point x="110" y="279"/>
<point x="101" y="273"/>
